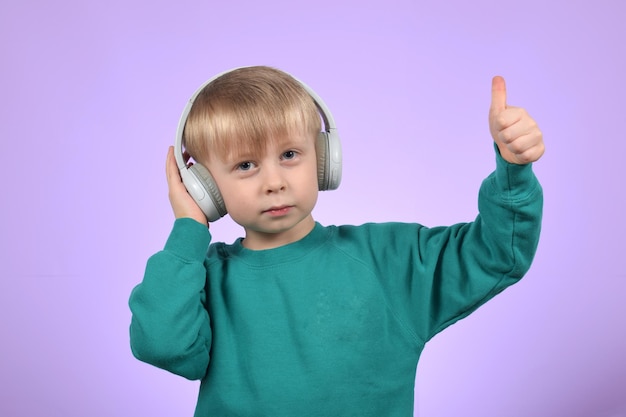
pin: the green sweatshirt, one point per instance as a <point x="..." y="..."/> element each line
<point x="334" y="324"/>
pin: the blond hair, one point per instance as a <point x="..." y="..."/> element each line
<point x="243" y="110"/>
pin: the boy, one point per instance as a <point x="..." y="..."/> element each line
<point x="299" y="319"/>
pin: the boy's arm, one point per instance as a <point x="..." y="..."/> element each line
<point x="497" y="248"/>
<point x="170" y="326"/>
<point x="464" y="265"/>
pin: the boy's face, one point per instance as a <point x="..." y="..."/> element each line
<point x="270" y="195"/>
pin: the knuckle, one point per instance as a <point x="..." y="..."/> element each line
<point x="516" y="149"/>
<point x="505" y="136"/>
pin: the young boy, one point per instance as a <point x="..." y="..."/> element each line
<point x="300" y="319"/>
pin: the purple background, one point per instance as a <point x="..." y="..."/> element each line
<point x="91" y="95"/>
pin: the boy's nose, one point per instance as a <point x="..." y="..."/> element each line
<point x="274" y="180"/>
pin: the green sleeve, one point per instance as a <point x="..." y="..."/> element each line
<point x="170" y="326"/>
<point x="436" y="276"/>
<point x="469" y="263"/>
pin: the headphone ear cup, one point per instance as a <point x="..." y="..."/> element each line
<point x="203" y="189"/>
<point x="328" y="149"/>
<point x="321" y="149"/>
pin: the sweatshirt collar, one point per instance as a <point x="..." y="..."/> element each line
<point x="292" y="251"/>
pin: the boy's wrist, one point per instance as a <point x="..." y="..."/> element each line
<point x="189" y="239"/>
<point x="510" y="177"/>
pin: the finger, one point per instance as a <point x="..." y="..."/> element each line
<point x="524" y="141"/>
<point x="171" y="169"/>
<point x="521" y="143"/>
<point x="527" y="150"/>
<point x="498" y="95"/>
<point x="512" y="117"/>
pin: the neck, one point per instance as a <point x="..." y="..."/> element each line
<point x="258" y="240"/>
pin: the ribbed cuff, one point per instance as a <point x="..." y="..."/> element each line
<point x="513" y="180"/>
<point x="188" y="240"/>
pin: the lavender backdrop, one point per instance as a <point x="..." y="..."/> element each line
<point x="91" y="93"/>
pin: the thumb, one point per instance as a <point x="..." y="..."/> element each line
<point x="498" y="95"/>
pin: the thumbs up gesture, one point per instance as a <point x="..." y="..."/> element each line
<point x="516" y="133"/>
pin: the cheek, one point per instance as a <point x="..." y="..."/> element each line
<point x="315" y="180"/>
<point x="311" y="187"/>
<point x="231" y="199"/>
<point x="234" y="201"/>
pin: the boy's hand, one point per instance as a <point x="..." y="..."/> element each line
<point x="182" y="203"/>
<point x="516" y="133"/>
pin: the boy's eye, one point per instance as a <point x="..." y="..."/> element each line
<point x="245" y="166"/>
<point x="289" y="155"/>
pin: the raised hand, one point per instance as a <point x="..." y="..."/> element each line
<point x="516" y="133"/>
<point x="182" y="203"/>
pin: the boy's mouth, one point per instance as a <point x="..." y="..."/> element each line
<point x="278" y="210"/>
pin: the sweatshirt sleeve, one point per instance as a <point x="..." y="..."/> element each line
<point x="170" y="325"/>
<point x="468" y="264"/>
<point x="437" y="276"/>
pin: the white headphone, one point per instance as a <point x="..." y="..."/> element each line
<point x="201" y="185"/>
